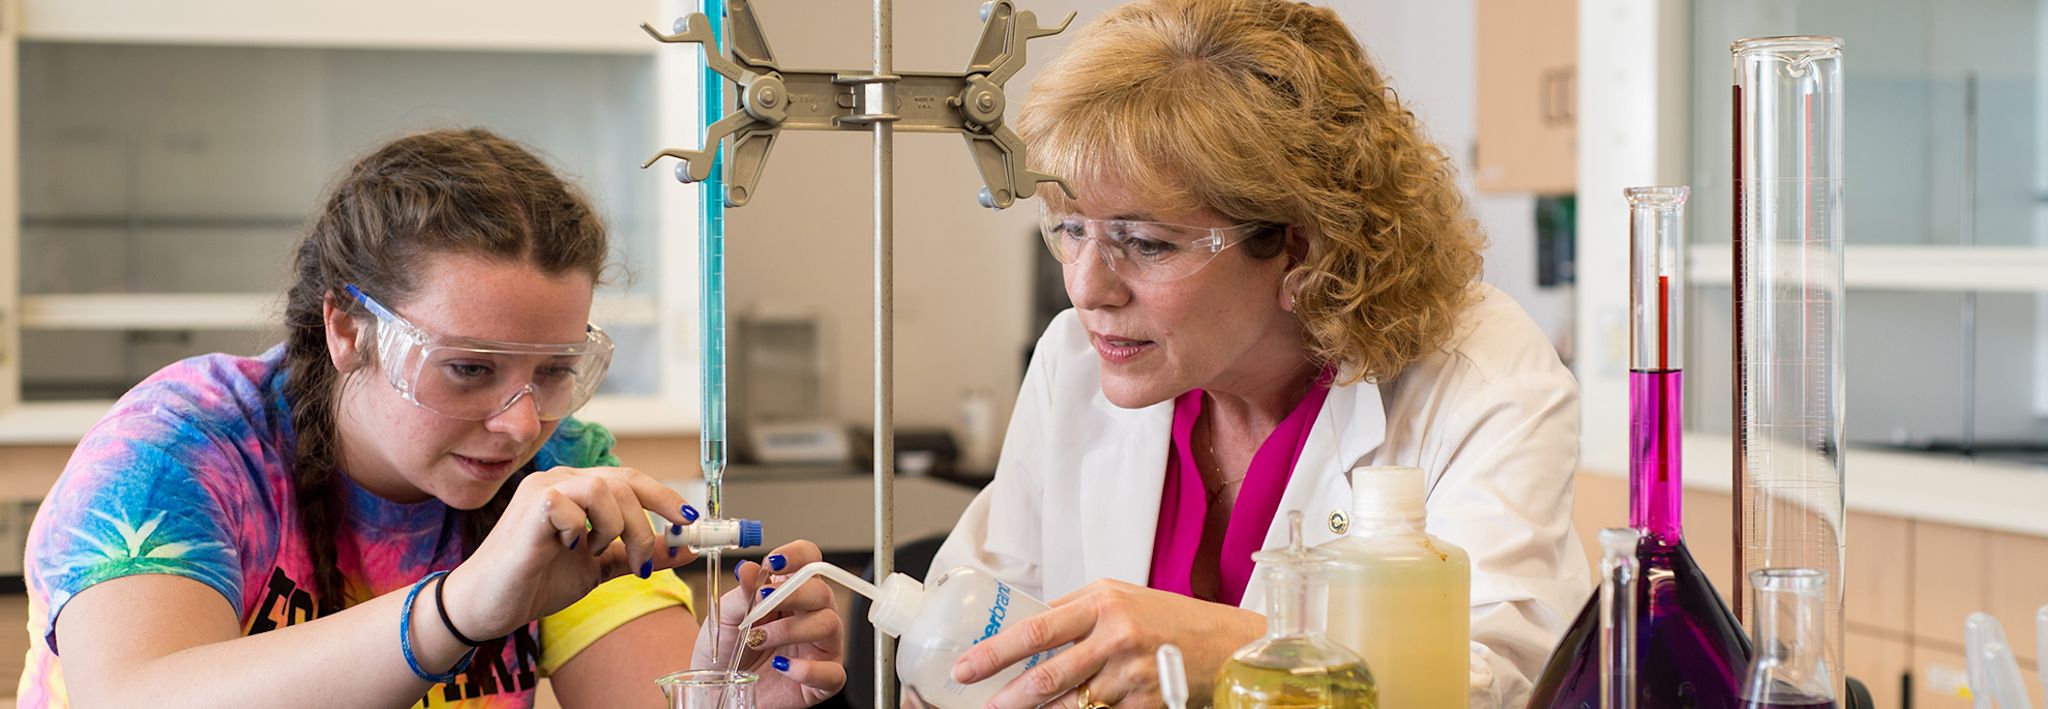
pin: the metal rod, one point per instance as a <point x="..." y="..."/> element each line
<point x="885" y="435"/>
<point x="1738" y="590"/>
<point x="1968" y="429"/>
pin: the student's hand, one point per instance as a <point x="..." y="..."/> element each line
<point x="1115" y="628"/>
<point x="565" y="531"/>
<point x="796" y="648"/>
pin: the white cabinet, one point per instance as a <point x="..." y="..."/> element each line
<point x="158" y="161"/>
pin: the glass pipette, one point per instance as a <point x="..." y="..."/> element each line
<point x="1173" y="677"/>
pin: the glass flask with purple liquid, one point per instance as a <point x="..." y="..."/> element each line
<point x="1690" y="651"/>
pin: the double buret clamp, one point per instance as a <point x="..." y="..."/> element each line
<point x="772" y="100"/>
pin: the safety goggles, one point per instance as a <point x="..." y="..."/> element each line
<point x="1141" y="251"/>
<point x="476" y="379"/>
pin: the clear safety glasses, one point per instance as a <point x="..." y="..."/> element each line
<point x="1146" y="252"/>
<point x="475" y="379"/>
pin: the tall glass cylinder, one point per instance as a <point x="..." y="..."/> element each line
<point x="1788" y="325"/>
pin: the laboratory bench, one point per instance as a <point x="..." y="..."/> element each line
<point x="1931" y="538"/>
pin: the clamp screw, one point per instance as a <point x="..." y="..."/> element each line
<point x="998" y="199"/>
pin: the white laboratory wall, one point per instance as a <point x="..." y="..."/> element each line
<point x="962" y="272"/>
<point x="1632" y="131"/>
<point x="1430" y="51"/>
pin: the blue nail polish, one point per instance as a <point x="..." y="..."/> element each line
<point x="672" y="551"/>
<point x="765" y="591"/>
<point x="776" y="562"/>
<point x="646" y="569"/>
<point x="675" y="529"/>
<point x="736" y="574"/>
<point x="576" y="541"/>
<point x="781" y="664"/>
<point x="690" y="513"/>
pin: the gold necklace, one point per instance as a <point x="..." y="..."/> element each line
<point x="1218" y="488"/>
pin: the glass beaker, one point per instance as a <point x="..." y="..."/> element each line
<point x="1790" y="670"/>
<point x="709" y="689"/>
<point x="1788" y="324"/>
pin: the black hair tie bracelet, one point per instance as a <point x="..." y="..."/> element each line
<point x="441" y="604"/>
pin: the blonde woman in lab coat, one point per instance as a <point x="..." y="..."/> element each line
<point x="1274" y="280"/>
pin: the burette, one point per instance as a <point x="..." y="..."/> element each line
<point x="712" y="449"/>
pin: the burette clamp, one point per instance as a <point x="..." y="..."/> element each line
<point x="772" y="99"/>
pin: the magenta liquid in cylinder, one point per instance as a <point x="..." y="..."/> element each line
<point x="1690" y="651"/>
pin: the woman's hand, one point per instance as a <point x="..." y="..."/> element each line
<point x="1115" y="629"/>
<point x="796" y="648"/>
<point x="565" y="531"/>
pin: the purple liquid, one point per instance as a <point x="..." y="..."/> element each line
<point x="1656" y="424"/>
<point x="1690" y="651"/>
<point x="1820" y="704"/>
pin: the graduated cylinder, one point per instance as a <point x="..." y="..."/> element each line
<point x="1656" y="367"/>
<point x="1788" y="301"/>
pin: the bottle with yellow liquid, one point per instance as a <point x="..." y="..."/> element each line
<point x="1400" y="598"/>
<point x="1294" y="666"/>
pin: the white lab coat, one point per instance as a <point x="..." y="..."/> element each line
<point x="1493" y="420"/>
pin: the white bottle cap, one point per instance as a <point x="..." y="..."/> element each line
<point x="901" y="597"/>
<point x="1382" y="495"/>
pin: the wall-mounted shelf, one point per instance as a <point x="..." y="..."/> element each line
<point x="1913" y="268"/>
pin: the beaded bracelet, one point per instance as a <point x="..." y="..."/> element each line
<point x="405" y="637"/>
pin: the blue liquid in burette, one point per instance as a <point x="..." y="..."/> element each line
<point x="711" y="282"/>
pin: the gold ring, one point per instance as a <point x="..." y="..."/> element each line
<point x="1087" y="703"/>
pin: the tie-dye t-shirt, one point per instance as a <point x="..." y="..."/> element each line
<point x="186" y="476"/>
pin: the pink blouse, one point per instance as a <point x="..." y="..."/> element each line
<point x="1184" y="504"/>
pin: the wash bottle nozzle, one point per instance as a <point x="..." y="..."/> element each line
<point x="809" y="571"/>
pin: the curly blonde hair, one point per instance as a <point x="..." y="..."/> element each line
<point x="1270" y="111"/>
